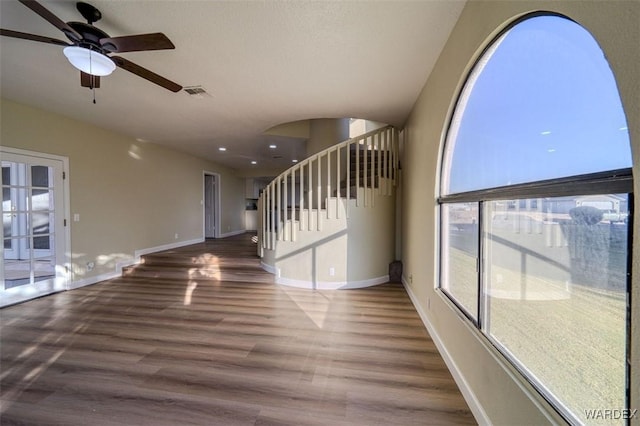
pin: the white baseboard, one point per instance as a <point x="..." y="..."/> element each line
<point x="93" y="280"/>
<point x="270" y="269"/>
<point x="121" y="265"/>
<point x="138" y="253"/>
<point x="468" y="394"/>
<point x="332" y="285"/>
<point x="232" y="233"/>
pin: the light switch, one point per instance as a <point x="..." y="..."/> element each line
<point x="76" y="217"/>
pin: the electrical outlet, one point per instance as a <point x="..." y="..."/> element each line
<point x="176" y="236"/>
<point x="411" y="278"/>
<point x="332" y="271"/>
<point x="90" y="266"/>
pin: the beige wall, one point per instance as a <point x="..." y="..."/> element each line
<point x="130" y="195"/>
<point x="499" y="394"/>
<point x="326" y="132"/>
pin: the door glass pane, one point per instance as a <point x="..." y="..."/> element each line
<point x="6" y="199"/>
<point x="40" y="176"/>
<point x="460" y="243"/>
<point x="43" y="265"/>
<point x="20" y="224"/>
<point x="556" y="294"/>
<point x="6" y="173"/>
<point x="17" y="269"/>
<point x="41" y="199"/>
<point x="7" y="225"/>
<point x="40" y="223"/>
<point x="41" y="243"/>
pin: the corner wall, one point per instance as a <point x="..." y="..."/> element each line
<point x="130" y="196"/>
<point x="494" y="390"/>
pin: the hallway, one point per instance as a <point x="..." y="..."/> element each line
<point x="201" y="335"/>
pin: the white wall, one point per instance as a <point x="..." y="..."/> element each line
<point x="497" y="393"/>
<point x="345" y="252"/>
<point x="130" y="195"/>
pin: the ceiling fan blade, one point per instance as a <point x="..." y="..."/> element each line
<point x="53" y="19"/>
<point x="33" y="37"/>
<point x="137" y="43"/>
<point x="146" y="74"/>
<point x="90" y="81"/>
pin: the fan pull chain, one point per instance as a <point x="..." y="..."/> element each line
<point x="93" y="78"/>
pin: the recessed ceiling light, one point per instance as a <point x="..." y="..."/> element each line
<point x="254" y="162"/>
<point x="623" y="128"/>
<point x="294" y="161"/>
<point x="546" y="132"/>
<point x="272" y="146"/>
<point x="222" y="148"/>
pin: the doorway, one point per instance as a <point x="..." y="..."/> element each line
<point x="211" y="205"/>
<point x="34" y="237"/>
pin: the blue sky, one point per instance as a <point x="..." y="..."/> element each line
<point x="545" y="105"/>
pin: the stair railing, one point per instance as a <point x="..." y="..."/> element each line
<point x="297" y="194"/>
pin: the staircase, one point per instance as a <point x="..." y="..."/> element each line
<point x="326" y="197"/>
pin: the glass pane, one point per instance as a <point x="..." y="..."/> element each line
<point x="541" y="104"/>
<point x="40" y="223"/>
<point x="41" y="199"/>
<point x="460" y="254"/>
<point x="21" y="221"/>
<point x="555" y="283"/>
<point x="43" y="268"/>
<point x="17" y="272"/>
<point x="7" y="225"/>
<point x="6" y="173"/>
<point x="42" y="243"/>
<point x="6" y="199"/>
<point x="40" y="176"/>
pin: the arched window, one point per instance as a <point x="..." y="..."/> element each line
<point x="535" y="195"/>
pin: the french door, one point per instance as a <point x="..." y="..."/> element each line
<point x="33" y="231"/>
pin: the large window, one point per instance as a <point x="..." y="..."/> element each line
<point x="535" y="204"/>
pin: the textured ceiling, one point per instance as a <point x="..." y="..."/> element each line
<point x="263" y="63"/>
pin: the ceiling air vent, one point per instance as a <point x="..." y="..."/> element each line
<point x="197" y="92"/>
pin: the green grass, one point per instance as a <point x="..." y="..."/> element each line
<point x="571" y="338"/>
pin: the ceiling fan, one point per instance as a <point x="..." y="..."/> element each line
<point x="91" y="49"/>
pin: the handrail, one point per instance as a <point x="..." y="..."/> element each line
<point x="283" y="200"/>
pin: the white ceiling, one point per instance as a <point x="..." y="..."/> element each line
<point x="264" y="63"/>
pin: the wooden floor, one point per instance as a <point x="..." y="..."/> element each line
<point x="201" y="335"/>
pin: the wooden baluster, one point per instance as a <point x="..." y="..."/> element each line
<point x="358" y="173"/>
<point x="293" y="205"/>
<point x="338" y="182"/>
<point x="328" y="197"/>
<point x="278" y="208"/>
<point x="310" y="195"/>
<point x="301" y="197"/>
<point x="285" y="208"/>
<point x="273" y="215"/>
<point x="348" y="154"/>
<point x="319" y="194"/>
<point x="365" y="175"/>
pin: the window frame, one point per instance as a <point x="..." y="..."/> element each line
<point x="619" y="181"/>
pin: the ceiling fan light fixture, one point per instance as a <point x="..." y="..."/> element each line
<point x="89" y="61"/>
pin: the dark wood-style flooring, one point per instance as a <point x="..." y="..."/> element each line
<point x="201" y="335"/>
